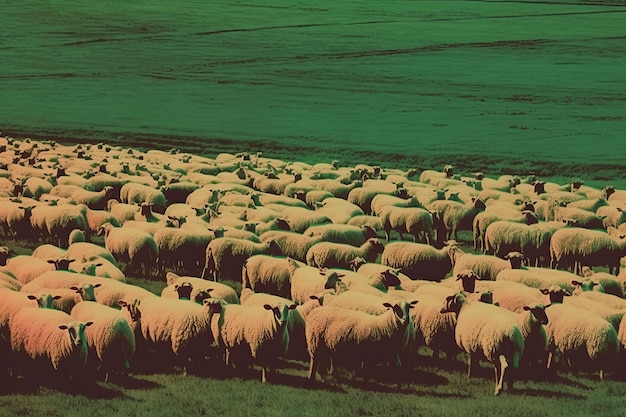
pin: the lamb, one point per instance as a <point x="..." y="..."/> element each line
<point x="110" y="339"/>
<point x="257" y="333"/>
<point x="420" y="261"/>
<point x="143" y="194"/>
<point x="343" y="335"/>
<point x="581" y="338"/>
<point x="341" y="233"/>
<point x="578" y="247"/>
<point x="135" y="247"/>
<point x="50" y="336"/>
<point x="267" y="274"/>
<point x="218" y="290"/>
<point x="182" y="326"/>
<point x="225" y="256"/>
<point x="338" y="255"/>
<point x="483" y="329"/>
<point x="457" y="216"/>
<point x="293" y="245"/>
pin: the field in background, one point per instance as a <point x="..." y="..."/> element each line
<point x="496" y="86"/>
<point x="502" y="87"/>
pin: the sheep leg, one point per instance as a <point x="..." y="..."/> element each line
<point x="469" y="366"/>
<point x="502" y="365"/>
<point x="549" y="361"/>
<point x="313" y="367"/>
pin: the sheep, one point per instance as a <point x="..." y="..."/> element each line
<point x="586" y="285"/>
<point x="121" y="211"/>
<point x="293" y="245"/>
<point x="402" y="200"/>
<point x="184" y="327"/>
<point x="300" y="219"/>
<point x="482" y="328"/>
<point x="372" y="270"/>
<point x="15" y="219"/>
<point x="485" y="266"/>
<point x="26" y="268"/>
<point x="99" y="267"/>
<point x="257" y="333"/>
<point x="225" y="256"/>
<point x="612" y="315"/>
<point x="50" y="336"/>
<point x="420" y="261"/>
<point x="267" y="274"/>
<point x="9" y="281"/>
<point x="338" y="255"/>
<point x="307" y="281"/>
<point x="578" y="247"/>
<point x="582" y="218"/>
<point x="76" y="236"/>
<point x="412" y="220"/>
<point x="580" y="337"/>
<point x="5" y="254"/>
<point x="611" y="216"/>
<point x="607" y="299"/>
<point x="429" y="176"/>
<point x="340" y="335"/>
<point x="484" y="219"/>
<point x="181" y="249"/>
<point x="143" y="194"/>
<point x="217" y="290"/>
<point x="110" y="339"/>
<point x="297" y="348"/>
<point x="341" y="233"/>
<point x="539" y="277"/>
<point x="48" y="251"/>
<point x="95" y="200"/>
<point x="56" y="222"/>
<point x="89" y="251"/>
<point x="457" y="216"/>
<point x="135" y="247"/>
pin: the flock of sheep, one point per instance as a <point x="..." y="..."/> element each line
<point x="352" y="267"/>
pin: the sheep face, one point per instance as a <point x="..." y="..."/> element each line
<point x="184" y="291"/>
<point x="468" y="280"/>
<point x="556" y="294"/>
<point x="45" y="300"/>
<point x="453" y="303"/>
<point x="401" y="310"/>
<point x="538" y="313"/>
<point x="281" y="312"/>
<point x="76" y="332"/>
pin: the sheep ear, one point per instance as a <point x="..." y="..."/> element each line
<point x="544" y="291"/>
<point x="526" y="308"/>
<point x="97" y="285"/>
<point x="74" y="288"/>
<point x="89" y="323"/>
<point x="267" y="306"/>
<point x="50" y="261"/>
<point x="121" y="303"/>
<point x="32" y="297"/>
<point x="313" y="297"/>
<point x="574" y="282"/>
<point x="291" y="307"/>
<point x="567" y="293"/>
<point x="341" y="275"/>
<point x="412" y="303"/>
<point x="57" y="297"/>
<point x="63" y="327"/>
<point x="458" y="277"/>
<point x="387" y="305"/>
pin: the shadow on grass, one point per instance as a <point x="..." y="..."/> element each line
<point x="545" y="393"/>
<point x="133" y="382"/>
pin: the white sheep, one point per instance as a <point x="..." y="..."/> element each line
<point x="415" y="221"/>
<point x="539" y="277"/>
<point x="420" y="261"/>
<point x="354" y="337"/>
<point x="576" y="247"/>
<point x="49" y="335"/>
<point x="293" y="245"/>
<point x="581" y="338"/>
<point x="485" y="266"/>
<point x="95" y="200"/>
<point x="182" y="249"/>
<point x="15" y="218"/>
<point x="267" y="274"/>
<point x="341" y="233"/>
<point x="482" y="329"/>
<point x="612" y="216"/>
<point x="307" y="281"/>
<point x="253" y="333"/>
<point x="183" y="327"/>
<point x="110" y="339"/>
<point x="55" y="223"/>
<point x="26" y="268"/>
<point x="9" y="281"/>
<point x="225" y="256"/>
<point x="135" y="247"/>
<point x="217" y="290"/>
<point x="143" y="194"/>
<point x="300" y="219"/>
<point x="297" y="348"/>
<point x="457" y="216"/>
<point x="339" y="255"/>
<point x="581" y="218"/>
<point x="484" y="219"/>
<point x="89" y="251"/>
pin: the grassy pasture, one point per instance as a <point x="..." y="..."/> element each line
<point x="503" y="87"/>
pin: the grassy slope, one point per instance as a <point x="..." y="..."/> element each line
<point x="416" y="83"/>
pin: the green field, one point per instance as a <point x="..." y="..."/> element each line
<point x="497" y="86"/>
